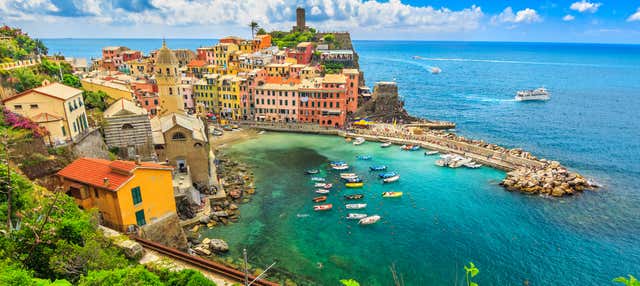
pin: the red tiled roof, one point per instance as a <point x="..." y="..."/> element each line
<point x="196" y="63"/>
<point x="93" y="171"/>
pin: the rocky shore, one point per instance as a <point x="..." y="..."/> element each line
<point x="553" y="180"/>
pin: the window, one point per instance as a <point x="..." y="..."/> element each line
<point x="178" y="136"/>
<point x="33" y="106"/>
<point x="95" y="193"/>
<point x="17" y="107"/>
<point x="64" y="131"/>
<point x="137" y="197"/>
<point x="127" y="126"/>
<point x="140" y="218"/>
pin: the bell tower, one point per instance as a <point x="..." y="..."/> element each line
<point x="168" y="79"/>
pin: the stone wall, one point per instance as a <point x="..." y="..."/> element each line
<point x="91" y="146"/>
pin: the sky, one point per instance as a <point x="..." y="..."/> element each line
<point x="605" y="21"/>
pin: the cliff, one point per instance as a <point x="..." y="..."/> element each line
<point x="385" y="105"/>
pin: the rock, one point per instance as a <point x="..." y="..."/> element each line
<point x="557" y="192"/>
<point x="206" y="241"/>
<point x="205" y="220"/>
<point x="195" y="228"/>
<point x="202" y="251"/>
<point x="218" y="245"/>
<point x="220" y="214"/>
<point x="131" y="249"/>
<point x="233" y="207"/>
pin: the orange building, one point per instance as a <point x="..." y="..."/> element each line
<point x="126" y="193"/>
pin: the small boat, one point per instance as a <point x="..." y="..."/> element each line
<point x="340" y="167"/>
<point x="391" y="194"/>
<point x="386" y="145"/>
<point x="387" y="175"/>
<point x="354" y="197"/>
<point x="327" y="186"/>
<point x="354" y="185"/>
<point x="319" y="185"/>
<point x="356" y="216"/>
<point x="440" y="162"/>
<point x="391" y="179"/>
<point x="536" y="94"/>
<point x="430" y="153"/>
<point x="473" y="165"/>
<point x="319" y="199"/>
<point x="318" y="179"/>
<point x="324" y="207"/>
<point x="311" y="171"/>
<point x="261" y="132"/>
<point x="355" y="206"/>
<point x="369" y="220"/>
<point x="363" y="157"/>
<point x="302" y="215"/>
<point x="358" y="141"/>
<point x="406" y="147"/>
<point x="336" y="163"/>
<point x="435" y="70"/>
<point x="378" y="168"/>
<point x="322" y="191"/>
<point x="415" y="148"/>
<point x="353" y="180"/>
<point x="348" y="175"/>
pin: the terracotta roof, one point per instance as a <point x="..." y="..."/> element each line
<point x="95" y="172"/>
<point x="197" y="63"/>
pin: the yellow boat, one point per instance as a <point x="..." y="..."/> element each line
<point x="354" y="185"/>
<point x="391" y="194"/>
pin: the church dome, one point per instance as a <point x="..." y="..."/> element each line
<point x="165" y="56"/>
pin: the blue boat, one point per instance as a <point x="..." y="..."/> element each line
<point x="363" y="157"/>
<point x="353" y="180"/>
<point x="387" y="175"/>
<point x="415" y="148"/>
<point x="337" y="163"/>
<point x="378" y="168"/>
<point x="317" y="179"/>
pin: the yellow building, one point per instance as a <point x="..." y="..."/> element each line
<point x="167" y="78"/>
<point x="205" y="93"/>
<point x="56" y="107"/>
<point x="115" y="89"/>
<point x="126" y="193"/>
<point x="222" y="52"/>
<point x="229" y="97"/>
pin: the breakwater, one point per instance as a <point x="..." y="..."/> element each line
<point x="526" y="173"/>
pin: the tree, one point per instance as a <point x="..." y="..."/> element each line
<point x="262" y="31"/>
<point x="22" y="79"/>
<point x="95" y="99"/>
<point x="71" y="80"/>
<point x="134" y="276"/>
<point x="254" y="26"/>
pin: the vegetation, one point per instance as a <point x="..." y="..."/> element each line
<point x="93" y="99"/>
<point x="332" y="67"/>
<point x="261" y="31"/>
<point x="20" y="46"/>
<point x="349" y="282"/>
<point x="290" y="39"/>
<point x="254" y="27"/>
<point x="631" y="281"/>
<point x="22" y="79"/>
<point x="471" y="271"/>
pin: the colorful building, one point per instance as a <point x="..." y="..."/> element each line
<point x="168" y="80"/>
<point x="125" y="193"/>
<point x="128" y="127"/>
<point x="323" y="101"/>
<point x="229" y="97"/>
<point x="302" y="53"/>
<point x="56" y="107"/>
<point x="261" y="42"/>
<point x="205" y="93"/>
<point x="114" y="88"/>
<point x="276" y="102"/>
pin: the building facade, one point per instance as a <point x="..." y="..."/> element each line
<point x="168" y="81"/>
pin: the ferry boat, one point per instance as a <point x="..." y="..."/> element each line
<point x="536" y="94"/>
<point x="369" y="220"/>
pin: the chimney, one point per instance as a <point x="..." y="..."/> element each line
<point x="138" y="160"/>
<point x="105" y="180"/>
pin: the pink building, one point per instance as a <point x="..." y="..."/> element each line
<point x="206" y="54"/>
<point x="352" y="77"/>
<point x="147" y="96"/>
<point x="186" y="86"/>
<point x="323" y="101"/>
<point x="276" y="102"/>
<point x="302" y="53"/>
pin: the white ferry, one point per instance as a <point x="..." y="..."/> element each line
<point x="536" y="94"/>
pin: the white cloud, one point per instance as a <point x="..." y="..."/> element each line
<point x="526" y="15"/>
<point x="584" y="6"/>
<point x="275" y="14"/>
<point x="635" y="16"/>
<point x="568" y="18"/>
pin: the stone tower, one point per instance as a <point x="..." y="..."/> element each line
<point x="300" y="21"/>
<point x="168" y="80"/>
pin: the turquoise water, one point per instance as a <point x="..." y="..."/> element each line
<point x="591" y="125"/>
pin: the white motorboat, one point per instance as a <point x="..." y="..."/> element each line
<point x="348" y="175"/>
<point x="430" y="153"/>
<point x="319" y="185"/>
<point x="340" y="167"/>
<point x="386" y="144"/>
<point x="391" y="179"/>
<point x="473" y="165"/>
<point x="356" y="216"/>
<point x="535" y="94"/>
<point x="355" y="206"/>
<point x="358" y="141"/>
<point x="261" y="132"/>
<point x="322" y="191"/>
<point x="369" y="220"/>
<point x="435" y="70"/>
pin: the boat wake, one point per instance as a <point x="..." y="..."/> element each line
<point x="488" y="99"/>
<point x="510" y="62"/>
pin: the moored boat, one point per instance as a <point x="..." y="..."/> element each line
<point x="319" y="185"/>
<point x="356" y="216"/>
<point x="387" y="175"/>
<point x="322" y="191"/>
<point x="318" y="179"/>
<point x="385" y="145"/>
<point x="378" y="168"/>
<point x="327" y="186"/>
<point x="311" y="171"/>
<point x="369" y="220"/>
<point x="340" y="167"/>
<point x="363" y="157"/>
<point x="354" y="185"/>
<point x="430" y="153"/>
<point x="348" y="175"/>
<point x="324" y="207"/>
<point x="354" y="197"/>
<point x="355" y="206"/>
<point x="319" y="199"/>
<point x="391" y="179"/>
<point x="391" y="194"/>
<point x="358" y="141"/>
<point x="415" y="148"/>
<point x="353" y="180"/>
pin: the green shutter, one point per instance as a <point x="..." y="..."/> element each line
<point x="137" y="197"/>
<point x="140" y="218"/>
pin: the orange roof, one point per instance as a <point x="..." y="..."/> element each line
<point x="196" y="63"/>
<point x="93" y="171"/>
<point x="279" y="80"/>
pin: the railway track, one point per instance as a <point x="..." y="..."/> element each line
<point x="200" y="262"/>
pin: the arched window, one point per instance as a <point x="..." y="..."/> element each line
<point x="127" y="126"/>
<point x="178" y="136"/>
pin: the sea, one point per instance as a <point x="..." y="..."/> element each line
<point x="447" y="218"/>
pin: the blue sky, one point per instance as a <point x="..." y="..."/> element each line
<point x="605" y="21"/>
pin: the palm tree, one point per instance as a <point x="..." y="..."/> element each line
<point x="254" y="26"/>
